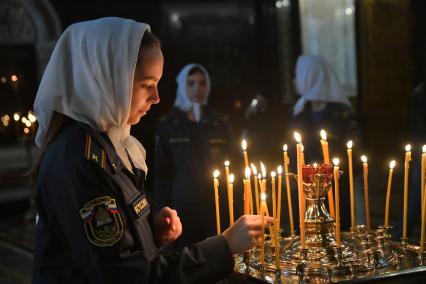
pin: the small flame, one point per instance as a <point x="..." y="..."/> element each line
<point x="273" y="174"/>
<point x="247" y="172"/>
<point x="364" y="158"/>
<point x="227" y="163"/>
<point x="285" y="147"/>
<point x="315" y="165"/>
<point x="280" y="170"/>
<point x="424" y="148"/>
<point x="392" y="164"/>
<point x="297" y="137"/>
<point x="263" y="196"/>
<point x="259" y="176"/>
<point x="231" y="178"/>
<point x="407" y="148"/>
<point x="253" y="169"/>
<point x="216" y="173"/>
<point x="302" y="148"/>
<point x="336" y="162"/>
<point x="350" y="144"/>
<point x="262" y="166"/>
<point x="244" y="144"/>
<point x="323" y="135"/>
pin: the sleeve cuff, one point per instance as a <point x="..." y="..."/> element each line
<point x="218" y="256"/>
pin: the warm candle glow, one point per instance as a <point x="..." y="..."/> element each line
<point x="231" y="178"/>
<point x="259" y="176"/>
<point x="297" y="137"/>
<point x="424" y="149"/>
<point x="280" y="170"/>
<point x="285" y="147"/>
<point x="349" y="144"/>
<point x="216" y="173"/>
<point x="247" y="172"/>
<point x="323" y="135"/>
<point x="407" y="148"/>
<point x="336" y="161"/>
<point x="392" y="164"/>
<point x="364" y="158"/>
<point x="253" y="169"/>
<point x="315" y="165"/>
<point x="263" y="196"/>
<point x="226" y="163"/>
<point x="244" y="144"/>
<point x="273" y="174"/>
<point x="262" y="167"/>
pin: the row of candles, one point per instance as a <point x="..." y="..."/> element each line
<point x="333" y="199"/>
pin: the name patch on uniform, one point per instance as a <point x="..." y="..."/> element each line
<point x="102" y="221"/>
<point x="140" y="205"/>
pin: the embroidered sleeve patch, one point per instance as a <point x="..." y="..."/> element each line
<point x="102" y="221"/>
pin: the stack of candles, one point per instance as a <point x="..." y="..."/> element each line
<point x="259" y="206"/>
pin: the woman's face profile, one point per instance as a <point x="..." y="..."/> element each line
<point x="196" y="87"/>
<point x="147" y="76"/>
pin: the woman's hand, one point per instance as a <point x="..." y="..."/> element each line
<point x="167" y="225"/>
<point x="245" y="232"/>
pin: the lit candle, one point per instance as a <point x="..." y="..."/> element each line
<point x="391" y="166"/>
<point x="246" y="196"/>
<point x="367" y="203"/>
<point x="228" y="188"/>
<point x="244" y="146"/>
<point x="423" y="169"/>
<point x="216" y="199"/>
<point x="249" y="191"/>
<point x="287" y="184"/>
<point x="274" y="196"/>
<point x="351" y="185"/>
<point x="231" y="199"/>
<point x="280" y="171"/>
<point x="326" y="155"/>
<point x="303" y="155"/>
<point x="262" y="213"/>
<point x="423" y="201"/>
<point x="300" y="189"/>
<point x="263" y="182"/>
<point x="337" y="199"/>
<point x="406" y="170"/>
<point x="256" y="188"/>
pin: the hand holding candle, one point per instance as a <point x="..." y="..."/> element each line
<point x="216" y="199"/>
<point x="367" y="204"/>
<point x="391" y="166"/>
<point x="337" y="199"/>
<point x="406" y="172"/>
<point x="351" y="185"/>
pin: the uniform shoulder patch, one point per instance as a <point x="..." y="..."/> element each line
<point x="94" y="152"/>
<point x="102" y="221"/>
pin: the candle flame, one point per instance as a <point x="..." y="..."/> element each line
<point x="216" y="173"/>
<point x="263" y="196"/>
<point x="247" y="172"/>
<point x="259" y="176"/>
<point x="253" y="169"/>
<point x="244" y="144"/>
<point x="280" y="170"/>
<point x="364" y="158"/>
<point x="231" y="178"/>
<point x="315" y="165"/>
<point x="336" y="162"/>
<point x="350" y="144"/>
<point x="262" y="166"/>
<point x="302" y="148"/>
<point x="407" y="148"/>
<point x="297" y="137"/>
<point x="285" y="147"/>
<point x="424" y="148"/>
<point x="273" y="174"/>
<point x="227" y="163"/>
<point x="392" y="164"/>
<point x="323" y="135"/>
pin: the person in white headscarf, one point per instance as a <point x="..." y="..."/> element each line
<point x="96" y="223"/>
<point x="191" y="141"/>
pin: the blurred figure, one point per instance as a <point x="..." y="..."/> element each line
<point x="191" y="142"/>
<point x="324" y="105"/>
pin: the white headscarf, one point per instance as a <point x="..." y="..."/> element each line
<point x="316" y="81"/>
<point x="89" y="78"/>
<point x="182" y="101"/>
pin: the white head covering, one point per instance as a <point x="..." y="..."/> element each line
<point x="182" y="101"/>
<point x="316" y="81"/>
<point x="89" y="78"/>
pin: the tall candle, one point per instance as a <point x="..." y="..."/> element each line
<point x="406" y="172"/>
<point x="367" y="203"/>
<point x="423" y="169"/>
<point x="391" y="166"/>
<point x="303" y="155"/>
<point x="244" y="146"/>
<point x="274" y="196"/>
<point x="351" y="184"/>
<point x="262" y="213"/>
<point x="423" y="201"/>
<point x="279" y="171"/>
<point x="216" y="199"/>
<point x="249" y="191"/>
<point x="231" y="199"/>
<point x="337" y="199"/>
<point x="326" y="155"/>
<point x="287" y="184"/>
<point x="228" y="188"/>
<point x="246" y="196"/>
<point x="256" y="188"/>
<point x="300" y="190"/>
